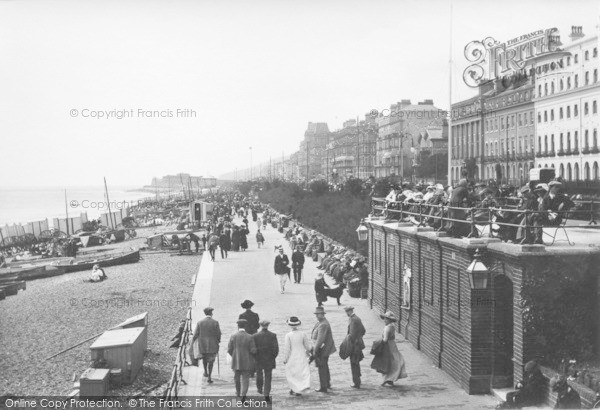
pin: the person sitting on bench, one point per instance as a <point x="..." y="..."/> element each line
<point x="553" y="206"/>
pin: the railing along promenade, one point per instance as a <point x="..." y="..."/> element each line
<point x="424" y="214"/>
<point x="180" y="361"/>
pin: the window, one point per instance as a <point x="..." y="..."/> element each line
<point x="586" y="109"/>
<point x="552" y="87"/>
<point x="545" y="116"/>
<point x="546" y="89"/>
<point x="552" y="142"/>
<point x="587" y="77"/>
<point x="595" y="107"/>
<point x="576" y="59"/>
<point x="595" y="138"/>
<point x="575" y="111"/>
<point x="540" y="143"/>
<point x="560" y="113"/>
<point x="568" y="83"/>
<point x="545" y="143"/>
<point x="568" y="60"/>
<point x="560" y="146"/>
<point x="595" y="52"/>
<point x="576" y="81"/>
<point x="587" y="55"/>
<point x="539" y="117"/>
<point x="595" y="75"/>
<point x="531" y="117"/>
<point x="575" y="140"/>
<point x="562" y="84"/>
<point x="586" y="139"/>
<point x="512" y="121"/>
<point x="552" y="115"/>
<point x="568" y="141"/>
<point x="539" y="90"/>
<point x="568" y="111"/>
<point x="520" y="120"/>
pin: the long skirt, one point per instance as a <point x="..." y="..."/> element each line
<point x="390" y="363"/>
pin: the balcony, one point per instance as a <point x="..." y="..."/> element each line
<point x="575" y="152"/>
<point x="561" y="153"/>
<point x="586" y="150"/>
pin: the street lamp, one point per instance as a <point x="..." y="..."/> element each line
<point x="362" y="231"/>
<point x="250" y="163"/>
<point x="478" y="272"/>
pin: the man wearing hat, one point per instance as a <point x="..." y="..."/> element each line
<point x="251" y="317"/>
<point x="356" y="331"/>
<point x="323" y="347"/>
<point x="205" y="342"/>
<point x="298" y="264"/>
<point x="267" y="350"/>
<point x="552" y="207"/>
<point x="320" y="286"/>
<point x="282" y="269"/>
<point x="242" y="350"/>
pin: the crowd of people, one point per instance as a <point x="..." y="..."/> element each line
<point x="253" y="350"/>
<point x="515" y="215"/>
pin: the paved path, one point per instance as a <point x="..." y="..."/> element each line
<point x="249" y="275"/>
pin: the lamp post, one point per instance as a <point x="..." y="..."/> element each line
<point x="250" y="163"/>
<point x="478" y="272"/>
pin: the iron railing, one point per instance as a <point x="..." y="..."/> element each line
<point x="423" y="214"/>
<point x="180" y="361"/>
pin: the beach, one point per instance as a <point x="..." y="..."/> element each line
<point x="55" y="313"/>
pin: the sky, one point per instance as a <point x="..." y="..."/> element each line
<point x="250" y="74"/>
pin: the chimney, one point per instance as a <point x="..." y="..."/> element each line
<point x="403" y="103"/>
<point x="426" y="102"/>
<point x="576" y="33"/>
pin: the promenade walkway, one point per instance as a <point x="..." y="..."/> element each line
<point x="224" y="284"/>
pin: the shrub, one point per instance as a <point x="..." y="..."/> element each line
<point x="319" y="187"/>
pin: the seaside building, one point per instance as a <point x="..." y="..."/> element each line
<point x="566" y="107"/>
<point x="312" y="149"/>
<point x="399" y="129"/>
<point x="182" y="179"/>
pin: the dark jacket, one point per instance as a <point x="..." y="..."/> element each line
<point x="225" y="241"/>
<point x="281" y="264"/>
<point x="560" y="202"/>
<point x="267" y="349"/>
<point x="252" y="319"/>
<point x="297" y="259"/>
<point x="356" y="331"/>
<point x="323" y="339"/>
<point x="242" y="350"/>
<point x="320" y="285"/>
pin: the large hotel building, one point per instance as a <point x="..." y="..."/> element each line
<point x="549" y="119"/>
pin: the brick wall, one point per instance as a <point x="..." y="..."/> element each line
<point x="451" y="323"/>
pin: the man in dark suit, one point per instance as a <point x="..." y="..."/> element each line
<point x="242" y="350"/>
<point x="356" y="331"/>
<point x="282" y="269"/>
<point x="323" y="347"/>
<point x="460" y="199"/>
<point x="297" y="264"/>
<point x="552" y="206"/>
<point x="250" y="317"/>
<point x="207" y="337"/>
<point x="267" y="350"/>
<point x="224" y="243"/>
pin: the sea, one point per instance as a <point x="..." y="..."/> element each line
<point x="22" y="205"/>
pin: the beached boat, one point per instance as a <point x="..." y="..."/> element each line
<point x="23" y="272"/>
<point x="11" y="288"/>
<point x="112" y="259"/>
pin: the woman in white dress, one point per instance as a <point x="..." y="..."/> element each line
<point x="295" y="358"/>
<point x="390" y="362"/>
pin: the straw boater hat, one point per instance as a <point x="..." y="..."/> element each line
<point x="554" y="183"/>
<point x="293" y="321"/>
<point x="388" y="315"/>
<point x="247" y="304"/>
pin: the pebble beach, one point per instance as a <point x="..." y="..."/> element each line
<point x="55" y="313"/>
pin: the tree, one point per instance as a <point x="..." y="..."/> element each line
<point x="319" y="187"/>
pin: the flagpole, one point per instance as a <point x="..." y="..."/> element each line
<point x="450" y="63"/>
<point x="66" y="213"/>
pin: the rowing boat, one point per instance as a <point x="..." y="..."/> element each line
<point x="86" y="263"/>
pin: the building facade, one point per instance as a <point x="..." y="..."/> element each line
<point x="312" y="148"/>
<point x="399" y="130"/>
<point x="566" y="107"/>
